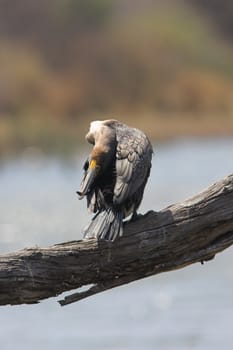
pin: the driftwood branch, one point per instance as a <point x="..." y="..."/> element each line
<point x="182" y="234"/>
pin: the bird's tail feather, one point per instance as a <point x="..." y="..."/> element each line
<point x="106" y="224"/>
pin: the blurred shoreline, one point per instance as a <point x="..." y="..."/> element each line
<point x="165" y="67"/>
<point x="65" y="136"/>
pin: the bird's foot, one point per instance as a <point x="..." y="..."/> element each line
<point x="135" y="217"/>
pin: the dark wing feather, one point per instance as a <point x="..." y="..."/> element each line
<point x="133" y="162"/>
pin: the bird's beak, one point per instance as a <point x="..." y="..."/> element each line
<point x="88" y="179"/>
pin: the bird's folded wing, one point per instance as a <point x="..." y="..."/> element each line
<point x="133" y="159"/>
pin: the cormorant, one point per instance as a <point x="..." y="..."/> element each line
<point x="115" y="175"/>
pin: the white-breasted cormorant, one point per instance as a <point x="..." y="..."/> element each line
<point x="115" y="175"/>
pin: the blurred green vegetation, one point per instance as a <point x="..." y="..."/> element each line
<point x="159" y="65"/>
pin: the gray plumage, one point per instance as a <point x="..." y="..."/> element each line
<point x="115" y="175"/>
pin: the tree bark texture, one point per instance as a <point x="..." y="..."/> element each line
<point x="179" y="235"/>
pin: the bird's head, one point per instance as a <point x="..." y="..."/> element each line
<point x="103" y="137"/>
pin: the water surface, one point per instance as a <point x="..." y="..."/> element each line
<point x="187" y="309"/>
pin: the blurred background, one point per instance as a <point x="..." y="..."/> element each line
<point x="64" y="62"/>
<point x="163" y="66"/>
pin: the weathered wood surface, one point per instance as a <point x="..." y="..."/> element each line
<point x="182" y="234"/>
